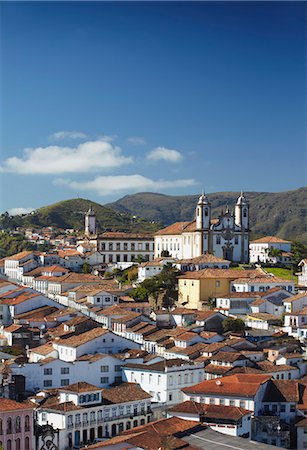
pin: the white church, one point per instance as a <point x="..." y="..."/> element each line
<point x="226" y="237"/>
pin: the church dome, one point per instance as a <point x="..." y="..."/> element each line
<point x="241" y="200"/>
<point x="203" y="200"/>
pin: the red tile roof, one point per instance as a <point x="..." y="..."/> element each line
<point x="125" y="392"/>
<point x="210" y="411"/>
<point x="7" y="404"/>
<point x="242" y="385"/>
<point x="83" y="338"/>
<point x="270" y="240"/>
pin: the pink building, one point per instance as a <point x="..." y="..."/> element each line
<point x="16" y="425"/>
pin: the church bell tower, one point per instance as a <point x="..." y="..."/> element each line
<point x="90" y="223"/>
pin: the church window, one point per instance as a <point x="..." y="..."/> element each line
<point x="244" y="213"/>
<point x="218" y="240"/>
<point x="206" y="212"/>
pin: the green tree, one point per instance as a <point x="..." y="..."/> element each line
<point x="299" y="251"/>
<point x="86" y="268"/>
<point x="163" y="285"/>
<point x="165" y="254"/>
<point x="274" y="252"/>
<point x="235" y="325"/>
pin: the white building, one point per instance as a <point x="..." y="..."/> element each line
<point x="116" y="246"/>
<point x="302" y="276"/>
<point x="16" y="265"/>
<point x="97" y="340"/>
<point x="226" y="237"/>
<point x="164" y="379"/>
<point x="261" y="284"/>
<point x="229" y="420"/>
<point x="152" y="268"/>
<point x="83" y="412"/>
<point x="51" y="372"/>
<point x="243" y="390"/>
<point x="205" y="261"/>
<point x="262" y="250"/>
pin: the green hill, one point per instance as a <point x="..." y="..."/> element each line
<point x="282" y="213"/>
<point x="70" y="214"/>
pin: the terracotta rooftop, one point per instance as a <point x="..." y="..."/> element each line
<point x="54" y="268"/>
<point x="205" y="258"/>
<point x="19" y="256"/>
<point x="7" y="404"/>
<point x="296" y="297"/>
<point x="44" y="349"/>
<point x="243" y="385"/>
<point x="231" y="274"/>
<point x="264" y="279"/>
<point x="160" y="366"/>
<point x="175" y="228"/>
<point x="121" y="235"/>
<point x="227" y="356"/>
<point x="270" y="240"/>
<point x="125" y="392"/>
<point x="285" y="391"/>
<point x="210" y="411"/>
<point x="83" y="338"/>
<point x="81" y="386"/>
<point x="269" y="367"/>
<point x="264" y="316"/>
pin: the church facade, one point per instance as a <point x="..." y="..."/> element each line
<point x="226" y="237"/>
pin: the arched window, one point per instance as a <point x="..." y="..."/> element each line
<point x="27" y="423"/>
<point x="18" y="424"/>
<point x="1" y="429"/>
<point x="27" y="443"/>
<point x="17" y="444"/>
<point x="9" y="425"/>
<point x="9" y="444"/>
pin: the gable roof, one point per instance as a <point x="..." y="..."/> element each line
<point x="80" y="339"/>
<point x="125" y="392"/>
<point x="270" y="240"/>
<point x="210" y="411"/>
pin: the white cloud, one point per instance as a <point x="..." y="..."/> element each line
<point x="91" y="155"/>
<point x="106" y="185"/>
<point x="18" y="211"/>
<point x="108" y="137"/>
<point x="136" y="140"/>
<point x="165" y="154"/>
<point x="62" y="135"/>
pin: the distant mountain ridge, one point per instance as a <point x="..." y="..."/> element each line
<point x="70" y="214"/>
<point x="282" y="213"/>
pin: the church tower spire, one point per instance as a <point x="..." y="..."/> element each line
<point x="203" y="213"/>
<point x="90" y="222"/>
<point x="242" y="212"/>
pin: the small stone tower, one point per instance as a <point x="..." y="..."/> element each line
<point x="90" y="223"/>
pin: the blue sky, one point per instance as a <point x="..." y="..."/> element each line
<point x="100" y="100"/>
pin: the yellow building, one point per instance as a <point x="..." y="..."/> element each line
<point x="195" y="288"/>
